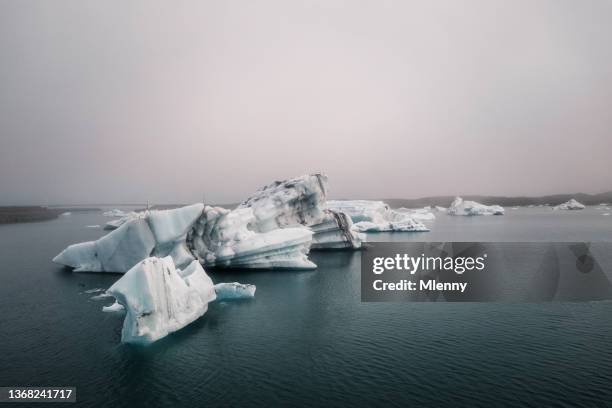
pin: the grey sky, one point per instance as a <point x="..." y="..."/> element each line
<point x="126" y="101"/>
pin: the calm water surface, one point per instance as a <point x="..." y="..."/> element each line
<point x="306" y="339"/>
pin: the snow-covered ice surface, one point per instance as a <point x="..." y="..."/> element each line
<point x="572" y="204"/>
<point x="461" y="207"/>
<point x="301" y="201"/>
<point x="234" y="290"/>
<point x="376" y="216"/>
<point x="160" y="299"/>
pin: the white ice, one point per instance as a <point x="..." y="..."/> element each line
<point x="114" y="213"/>
<point x="301" y="201"/>
<point x="160" y="299"/>
<point x="461" y="207"/>
<point x="572" y="204"/>
<point x="234" y="290"/>
<point x="158" y="233"/>
<point x="223" y="238"/>
<point x="376" y="216"/>
<point x="115" y="307"/>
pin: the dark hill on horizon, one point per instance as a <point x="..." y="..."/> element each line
<point x="554" y="199"/>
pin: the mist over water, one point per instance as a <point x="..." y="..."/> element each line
<point x="112" y="102"/>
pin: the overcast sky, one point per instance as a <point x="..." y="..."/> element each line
<point x="128" y="101"/>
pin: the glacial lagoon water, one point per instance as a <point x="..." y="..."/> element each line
<point x="306" y="339"/>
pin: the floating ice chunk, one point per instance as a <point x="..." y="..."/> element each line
<point x="159" y="300"/>
<point x="115" y="307"/>
<point x="376" y="216"/>
<point x="234" y="290"/>
<point x="297" y="202"/>
<point x="66" y="214"/>
<point x="101" y="296"/>
<point x="461" y="207"/>
<point x="570" y="205"/>
<point x="114" y="213"/>
<point x="92" y="226"/>
<point x="605" y="214"/>
<point x="439" y="208"/>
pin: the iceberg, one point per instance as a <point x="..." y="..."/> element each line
<point x="273" y="229"/>
<point x="570" y="205"/>
<point x="160" y="299"/>
<point x="301" y="201"/>
<point x="376" y="216"/>
<point x="234" y="290"/>
<point x="215" y="236"/>
<point x="461" y="207"/>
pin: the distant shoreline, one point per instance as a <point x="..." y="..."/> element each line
<point x="552" y="200"/>
<point x="21" y="214"/>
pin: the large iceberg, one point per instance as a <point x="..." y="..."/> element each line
<point x="160" y="299"/>
<point x="215" y="236"/>
<point x="273" y="229"/>
<point x="376" y="216"/>
<point x="570" y="205"/>
<point x="461" y="207"/>
<point x="301" y="201"/>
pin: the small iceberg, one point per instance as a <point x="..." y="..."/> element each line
<point x="115" y="307"/>
<point x="570" y="205"/>
<point x="377" y="216"/>
<point x="114" y="213"/>
<point x="66" y="214"/>
<point x="160" y="299"/>
<point x="234" y="290"/>
<point x="92" y="226"/>
<point x="471" y="208"/>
